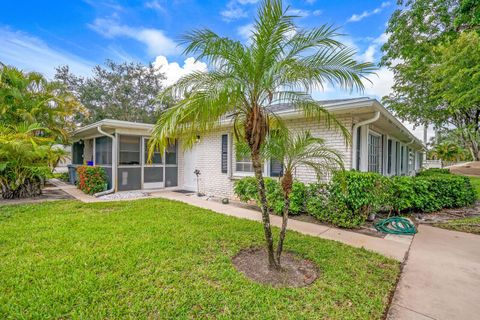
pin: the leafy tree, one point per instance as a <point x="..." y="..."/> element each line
<point x="447" y="151"/>
<point x="30" y="98"/>
<point x="35" y="116"/>
<point x="295" y="150"/>
<point x="455" y="86"/>
<point x="121" y="91"/>
<point x="416" y="30"/>
<point x="281" y="63"/>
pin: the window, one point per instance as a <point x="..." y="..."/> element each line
<point x="156" y="157"/>
<point x="358" y="148"/>
<point x="224" y="153"/>
<point x="402" y="159"/>
<point x="244" y="165"/>
<point x="129" y="150"/>
<point x="103" y="151"/>
<point x="373" y="153"/>
<point x="389" y="156"/>
<point x="276" y="168"/>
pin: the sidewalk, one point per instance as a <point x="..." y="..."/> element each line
<point x="391" y="246"/>
<point x="441" y="278"/>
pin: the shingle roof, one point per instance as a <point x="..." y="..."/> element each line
<point x="283" y="107"/>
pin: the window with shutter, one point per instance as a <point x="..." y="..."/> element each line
<point x="224" y="155"/>
<point x="276" y="168"/>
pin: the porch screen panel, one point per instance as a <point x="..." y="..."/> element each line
<point x="129" y="179"/>
<point x="129" y="150"/>
<point x="156" y="157"/>
<point x="152" y="174"/>
<point x="103" y="151"/>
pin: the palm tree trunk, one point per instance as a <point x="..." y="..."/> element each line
<point x="287" y="182"/>
<point x="257" y="167"/>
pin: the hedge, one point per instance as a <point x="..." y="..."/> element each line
<point x="91" y="179"/>
<point x="351" y="196"/>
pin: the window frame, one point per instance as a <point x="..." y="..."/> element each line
<point x="379" y="148"/>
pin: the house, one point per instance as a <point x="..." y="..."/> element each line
<point x="379" y="143"/>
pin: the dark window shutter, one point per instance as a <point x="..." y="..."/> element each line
<point x="224" y="153"/>
<point x="276" y="168"/>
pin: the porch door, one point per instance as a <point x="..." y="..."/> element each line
<point x="153" y="171"/>
<point x="189" y="166"/>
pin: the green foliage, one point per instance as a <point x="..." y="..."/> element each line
<point x="91" y="179"/>
<point x="432" y="171"/>
<point x="451" y="191"/>
<point x="348" y="199"/>
<point x="35" y="115"/>
<point x="122" y="91"/>
<point x="437" y="81"/>
<point x="246" y="190"/>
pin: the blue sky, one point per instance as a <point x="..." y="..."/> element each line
<point x="40" y="35"/>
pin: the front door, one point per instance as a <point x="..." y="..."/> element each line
<point x="189" y="167"/>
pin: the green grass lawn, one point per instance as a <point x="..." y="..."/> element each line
<point x="471" y="225"/>
<point x="476" y="184"/>
<point x="162" y="259"/>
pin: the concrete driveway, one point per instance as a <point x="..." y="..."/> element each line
<point x="441" y="278"/>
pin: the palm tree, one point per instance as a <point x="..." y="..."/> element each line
<point x="29" y="97"/>
<point x="24" y="158"/>
<point x="282" y="63"/>
<point x="294" y="150"/>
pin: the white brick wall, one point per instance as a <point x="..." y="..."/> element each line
<point x="213" y="182"/>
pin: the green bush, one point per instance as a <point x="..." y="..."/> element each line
<point x="246" y="190"/>
<point x="352" y="195"/>
<point x="451" y="191"/>
<point x="433" y="171"/>
<point x="91" y="179"/>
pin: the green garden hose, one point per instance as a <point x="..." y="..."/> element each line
<point x="395" y="225"/>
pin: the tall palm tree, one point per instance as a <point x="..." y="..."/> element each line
<point x="282" y="63"/>
<point x="295" y="150"/>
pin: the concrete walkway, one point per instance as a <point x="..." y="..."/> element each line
<point x="394" y="247"/>
<point x="441" y="278"/>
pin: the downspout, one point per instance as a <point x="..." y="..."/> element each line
<point x="354" y="136"/>
<point x="114" y="163"/>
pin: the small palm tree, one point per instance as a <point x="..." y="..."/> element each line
<point x="294" y="150"/>
<point x="282" y="63"/>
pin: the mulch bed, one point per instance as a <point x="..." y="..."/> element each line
<point x="296" y="271"/>
<point x="49" y="193"/>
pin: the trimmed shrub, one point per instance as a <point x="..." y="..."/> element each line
<point x="91" y="179"/>
<point x="433" y="171"/>
<point x="246" y="190"/>
<point x="353" y="195"/>
<point x="451" y="191"/>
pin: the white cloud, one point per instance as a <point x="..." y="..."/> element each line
<point x="155" y="5"/>
<point x="156" y="41"/>
<point x="173" y="71"/>
<point x="365" y="14"/>
<point x="299" y="12"/>
<point x="245" y="31"/>
<point x="32" y="54"/>
<point x="235" y="9"/>
<point x="317" y="12"/>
